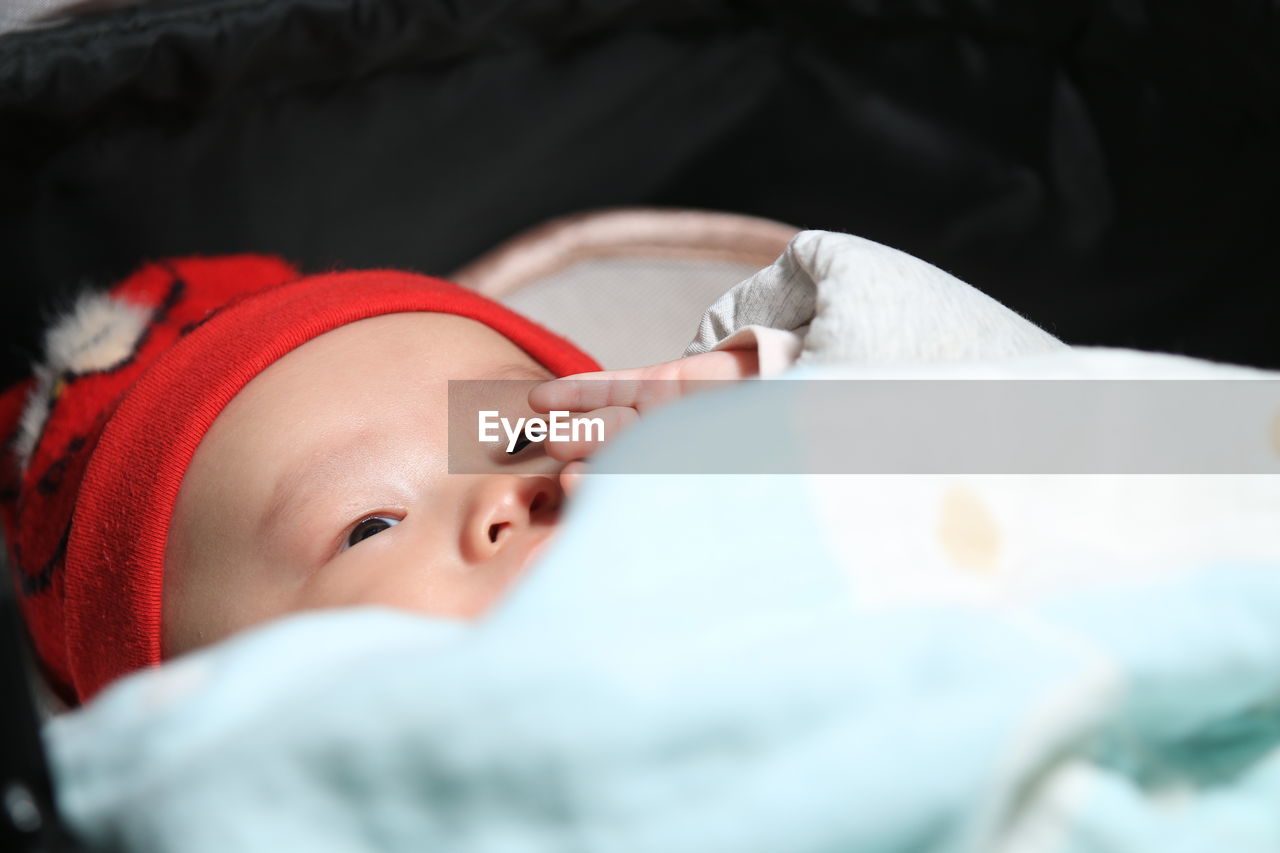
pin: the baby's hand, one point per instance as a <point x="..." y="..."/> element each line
<point x="620" y="397"/>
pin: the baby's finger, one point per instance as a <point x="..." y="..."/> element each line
<point x="571" y="477"/>
<point x="584" y="392"/>
<point x="719" y="365"/>
<point x="642" y="388"/>
<point x="594" y="428"/>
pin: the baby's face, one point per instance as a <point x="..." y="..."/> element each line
<point x="324" y="483"/>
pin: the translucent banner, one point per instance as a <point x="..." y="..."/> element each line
<point x="884" y="426"/>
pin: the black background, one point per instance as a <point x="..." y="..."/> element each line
<point x="1108" y="169"/>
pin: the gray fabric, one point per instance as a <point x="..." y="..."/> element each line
<point x="870" y="304"/>
<point x="780" y="296"/>
<point x="628" y="312"/>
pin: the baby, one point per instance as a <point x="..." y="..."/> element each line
<point x="219" y="442"/>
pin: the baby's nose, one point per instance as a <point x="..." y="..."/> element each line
<point x="507" y="508"/>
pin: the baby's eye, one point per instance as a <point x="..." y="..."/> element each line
<point x="370" y="526"/>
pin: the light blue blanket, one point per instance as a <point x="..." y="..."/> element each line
<point x="694" y="668"/>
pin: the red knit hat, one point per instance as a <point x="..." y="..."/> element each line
<point x="98" y="439"/>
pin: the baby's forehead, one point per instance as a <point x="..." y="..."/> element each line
<point x="444" y="330"/>
<point x="430" y="341"/>
<point x="382" y="370"/>
<point x="379" y="378"/>
<point x="516" y="371"/>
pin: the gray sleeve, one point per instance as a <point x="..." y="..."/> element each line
<point x="856" y="301"/>
<point x="780" y="296"/>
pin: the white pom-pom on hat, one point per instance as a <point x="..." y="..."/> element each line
<point x="99" y="333"/>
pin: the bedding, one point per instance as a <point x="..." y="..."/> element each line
<point x="757" y="663"/>
<point x="752" y="664"/>
<point x="763" y="663"/>
<point x="626" y="284"/>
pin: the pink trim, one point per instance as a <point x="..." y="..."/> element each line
<point x="625" y="232"/>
